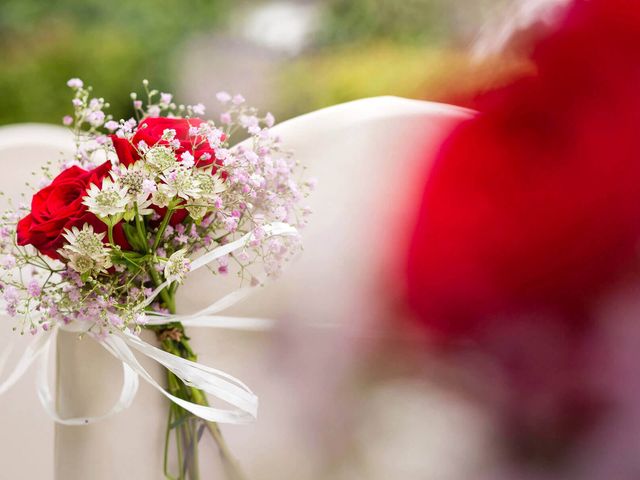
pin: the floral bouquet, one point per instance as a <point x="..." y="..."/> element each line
<point x="111" y="234"/>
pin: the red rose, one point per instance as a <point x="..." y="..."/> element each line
<point x="59" y="206"/>
<point x="151" y="130"/>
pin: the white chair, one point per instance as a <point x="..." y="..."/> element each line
<point x="26" y="427"/>
<point x="370" y="157"/>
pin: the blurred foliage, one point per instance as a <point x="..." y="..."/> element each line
<point x="408" y="48"/>
<point x="109" y="44"/>
<point x="342" y="74"/>
<point x="406" y="21"/>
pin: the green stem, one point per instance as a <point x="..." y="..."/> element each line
<point x="110" y="234"/>
<point x="166" y="297"/>
<point x="167" y="438"/>
<point x="142" y="233"/>
<point x="230" y="464"/>
<point x="162" y="228"/>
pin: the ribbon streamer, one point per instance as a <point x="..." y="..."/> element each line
<point x="242" y="401"/>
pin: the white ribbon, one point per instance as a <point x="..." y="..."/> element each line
<point x="242" y="401"/>
<point x="127" y="394"/>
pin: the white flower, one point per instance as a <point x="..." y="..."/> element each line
<point x="110" y="199"/>
<point x="160" y="198"/>
<point x="197" y="212"/>
<point x="133" y="179"/>
<point x="153" y="111"/>
<point x="85" y="250"/>
<point x="180" y="182"/>
<point x="160" y="159"/>
<point x="177" y="267"/>
<point x="210" y="185"/>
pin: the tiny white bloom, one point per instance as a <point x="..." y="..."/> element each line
<point x="153" y="111"/>
<point x="168" y="134"/>
<point x="198" y="109"/>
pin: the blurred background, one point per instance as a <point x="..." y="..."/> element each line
<point x="406" y="411"/>
<point x="289" y="57"/>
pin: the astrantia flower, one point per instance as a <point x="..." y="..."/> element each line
<point x="180" y="182"/>
<point x="210" y="185"/>
<point x="177" y="267"/>
<point x="133" y="178"/>
<point x="109" y="200"/>
<point x="160" y="198"/>
<point x="160" y="159"/>
<point x="197" y="212"/>
<point x="85" y="251"/>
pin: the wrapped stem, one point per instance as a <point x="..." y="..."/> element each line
<point x="185" y="428"/>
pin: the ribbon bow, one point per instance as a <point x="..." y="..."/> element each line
<point x="121" y="344"/>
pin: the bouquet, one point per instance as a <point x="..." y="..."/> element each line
<point x="110" y="235"/>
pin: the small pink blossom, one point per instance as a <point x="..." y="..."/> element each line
<point x="198" y="109"/>
<point x="153" y="111"/>
<point x="187" y="159"/>
<point x="269" y="120"/>
<point x="75" y="83"/>
<point x="33" y="288"/>
<point x="8" y="261"/>
<point x="111" y="125"/>
<point x="223" y="97"/>
<point x="231" y="224"/>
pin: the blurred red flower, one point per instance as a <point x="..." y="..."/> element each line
<point x="531" y="214"/>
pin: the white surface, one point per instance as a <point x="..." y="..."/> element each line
<point x="26" y="437"/>
<point x="366" y="159"/>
